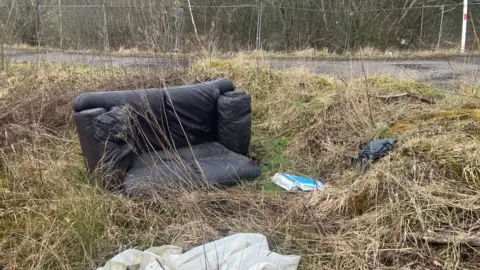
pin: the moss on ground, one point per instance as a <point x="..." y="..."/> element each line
<point x="390" y="85"/>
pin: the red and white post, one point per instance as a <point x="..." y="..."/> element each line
<point x="464" y="27"/>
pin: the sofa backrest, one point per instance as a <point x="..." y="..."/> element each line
<point x="167" y="118"/>
<point x="106" y="100"/>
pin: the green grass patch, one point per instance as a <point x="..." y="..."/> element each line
<point x="391" y="85"/>
<point x="272" y="153"/>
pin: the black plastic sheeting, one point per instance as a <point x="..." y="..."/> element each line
<point x="374" y="151"/>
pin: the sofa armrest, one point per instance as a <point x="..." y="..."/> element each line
<point x="92" y="149"/>
<point x="106" y="157"/>
<point x="234" y="121"/>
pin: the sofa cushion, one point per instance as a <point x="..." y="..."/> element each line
<point x="218" y="164"/>
<point x="234" y="121"/>
<point x="191" y="115"/>
<point x="209" y="164"/>
<point x="225" y="170"/>
<point x="201" y="151"/>
<point x="147" y="177"/>
<point x="150" y="121"/>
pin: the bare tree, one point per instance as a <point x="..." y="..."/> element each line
<point x="230" y="25"/>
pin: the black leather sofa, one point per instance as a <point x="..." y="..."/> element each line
<point x="144" y="141"/>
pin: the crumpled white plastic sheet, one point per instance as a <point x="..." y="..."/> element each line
<point x="243" y="251"/>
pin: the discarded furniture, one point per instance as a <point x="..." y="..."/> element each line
<point x="147" y="140"/>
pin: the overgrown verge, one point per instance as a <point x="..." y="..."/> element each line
<point x="416" y="208"/>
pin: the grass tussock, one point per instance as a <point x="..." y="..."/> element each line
<point x="417" y="208"/>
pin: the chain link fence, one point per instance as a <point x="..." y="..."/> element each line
<point x="171" y="28"/>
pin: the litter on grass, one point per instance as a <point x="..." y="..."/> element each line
<point x="374" y="151"/>
<point x="294" y="182"/>
<point x="243" y="251"/>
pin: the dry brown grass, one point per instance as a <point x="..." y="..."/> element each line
<point x="210" y="50"/>
<point x="361" y="53"/>
<point x="52" y="218"/>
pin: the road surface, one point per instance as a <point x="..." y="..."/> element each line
<point x="444" y="73"/>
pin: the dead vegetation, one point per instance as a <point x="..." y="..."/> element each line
<point x="361" y="53"/>
<point x="418" y="208"/>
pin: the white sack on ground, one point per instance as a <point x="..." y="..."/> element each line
<point x="243" y="251"/>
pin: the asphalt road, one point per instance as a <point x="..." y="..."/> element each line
<point x="444" y="73"/>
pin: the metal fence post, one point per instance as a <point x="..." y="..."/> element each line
<point x="258" y="40"/>
<point x="347" y="37"/>
<point x="37" y="22"/>
<point x="441" y="28"/>
<point x="60" y="22"/>
<point x="105" y="27"/>
<point x="464" y="26"/>
<point x="177" y="15"/>
<point x="421" y="24"/>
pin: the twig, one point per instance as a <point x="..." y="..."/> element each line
<point x="407" y="94"/>
<point x="448" y="238"/>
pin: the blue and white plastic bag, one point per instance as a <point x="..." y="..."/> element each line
<point x="294" y="182"/>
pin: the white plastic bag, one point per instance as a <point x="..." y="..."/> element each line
<point x="244" y="251"/>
